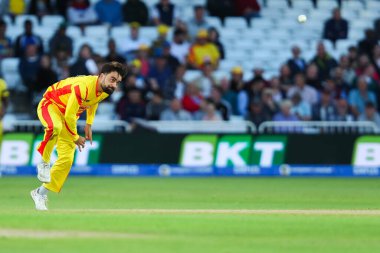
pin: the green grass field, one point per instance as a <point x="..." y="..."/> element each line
<point x="133" y="215"/>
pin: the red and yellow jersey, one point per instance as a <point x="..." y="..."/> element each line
<point x="73" y="96"/>
<point x="4" y="92"/>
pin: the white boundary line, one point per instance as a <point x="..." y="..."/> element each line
<point x="222" y="211"/>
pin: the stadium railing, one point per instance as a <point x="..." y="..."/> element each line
<point x="319" y="127"/>
<point x="198" y="126"/>
<point x="99" y="126"/>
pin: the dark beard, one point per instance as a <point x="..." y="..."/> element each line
<point x="107" y="90"/>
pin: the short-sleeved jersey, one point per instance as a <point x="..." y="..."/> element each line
<point x="199" y="54"/>
<point x="73" y="96"/>
<point x="4" y="92"/>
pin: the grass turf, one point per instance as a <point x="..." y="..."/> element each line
<point x="165" y="232"/>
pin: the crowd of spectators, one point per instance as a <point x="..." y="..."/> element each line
<point x="325" y="88"/>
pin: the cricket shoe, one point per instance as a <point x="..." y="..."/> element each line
<point x="39" y="200"/>
<point x="43" y="172"/>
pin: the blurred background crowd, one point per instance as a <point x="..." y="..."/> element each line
<point x="199" y="60"/>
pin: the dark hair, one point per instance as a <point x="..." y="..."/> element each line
<point x="198" y="7"/>
<point x="2" y="22"/>
<point x="28" y="22"/>
<point x="114" y="67"/>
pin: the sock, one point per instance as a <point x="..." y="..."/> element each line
<point x="42" y="190"/>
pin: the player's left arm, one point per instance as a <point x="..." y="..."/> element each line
<point x="4" y="99"/>
<point x="90" y="112"/>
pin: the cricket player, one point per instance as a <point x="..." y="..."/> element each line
<point x="58" y="111"/>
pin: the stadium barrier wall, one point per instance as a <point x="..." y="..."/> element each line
<point x="151" y="154"/>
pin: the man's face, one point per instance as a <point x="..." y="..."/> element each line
<point x="109" y="82"/>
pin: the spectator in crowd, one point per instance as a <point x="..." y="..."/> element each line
<point x="348" y="72"/>
<point x="109" y="12"/>
<point x="285" y="77"/>
<point x="308" y="93"/>
<point x="353" y="56"/>
<point x="270" y="107"/>
<point x="213" y="36"/>
<point x="171" y="60"/>
<point x="362" y="63"/>
<point x="254" y="89"/>
<point x="142" y="56"/>
<point x="209" y="112"/>
<point x="358" y="97"/>
<point x="60" y="43"/>
<point x="366" y="45"/>
<point x="46" y="75"/>
<point x="177" y="84"/>
<point x="221" y="105"/>
<point x="336" y="27"/>
<point x="325" y="110"/>
<point x="296" y="64"/>
<point x="155" y="106"/>
<point x="26" y="39"/>
<point x="312" y="77"/>
<point x="165" y="12"/>
<point x="372" y="78"/>
<point x="113" y="55"/>
<point x="135" y="70"/>
<point x="285" y="113"/>
<point x="131" y="106"/>
<point x="161" y="40"/>
<point x="324" y="61"/>
<point x="235" y="90"/>
<point x="192" y="99"/>
<point x="130" y="45"/>
<point x="258" y="75"/>
<point x="256" y="114"/>
<point x="370" y="114"/>
<point x="300" y="108"/>
<point x="81" y="13"/>
<point x="277" y="93"/>
<point x="179" y="46"/>
<point x="85" y="63"/>
<point x="343" y="111"/>
<point x="247" y="8"/>
<point x="220" y="8"/>
<point x="28" y="68"/>
<point x="159" y="72"/>
<point x="5" y="42"/>
<point x="198" y="22"/>
<point x="41" y="8"/>
<point x="175" y="112"/>
<point x="202" y="52"/>
<point x="136" y="11"/>
<point x="340" y="87"/>
<point x="206" y="81"/>
<point x="4" y="101"/>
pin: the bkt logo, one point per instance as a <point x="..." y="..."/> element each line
<point x="367" y="151"/>
<point x="232" y="150"/>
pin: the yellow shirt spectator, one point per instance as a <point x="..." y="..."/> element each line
<point x="203" y="51"/>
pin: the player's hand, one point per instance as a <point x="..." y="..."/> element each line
<point x="80" y="143"/>
<point x="88" y="133"/>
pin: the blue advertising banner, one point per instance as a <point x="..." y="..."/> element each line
<point x="165" y="170"/>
